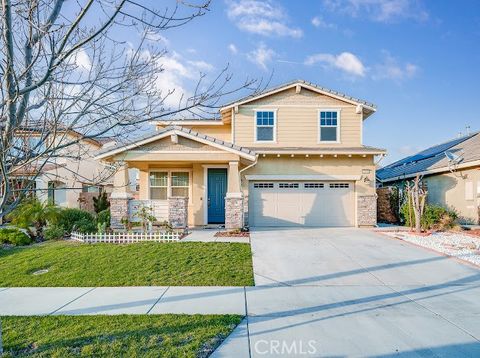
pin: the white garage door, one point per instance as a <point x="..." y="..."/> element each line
<point x="301" y="203"/>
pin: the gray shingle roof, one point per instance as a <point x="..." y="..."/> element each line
<point x="217" y="141"/>
<point x="467" y="147"/>
<point x="273" y="89"/>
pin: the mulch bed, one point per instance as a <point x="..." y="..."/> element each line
<point x="232" y="234"/>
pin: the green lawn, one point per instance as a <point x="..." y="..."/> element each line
<point x="145" y="264"/>
<point x="115" y="336"/>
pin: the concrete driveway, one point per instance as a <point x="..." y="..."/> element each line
<point x="352" y="292"/>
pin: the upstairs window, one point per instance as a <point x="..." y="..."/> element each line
<point x="329" y="125"/>
<point x="265" y="126"/>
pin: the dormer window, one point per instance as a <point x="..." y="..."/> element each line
<point x="265" y="126"/>
<point x="329" y="126"/>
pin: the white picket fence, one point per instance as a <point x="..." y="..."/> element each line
<point x="128" y="237"/>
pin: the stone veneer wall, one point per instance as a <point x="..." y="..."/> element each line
<point x="367" y="210"/>
<point x="118" y="210"/>
<point x="233" y="213"/>
<point x="178" y="212"/>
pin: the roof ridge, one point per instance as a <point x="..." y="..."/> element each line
<point x="308" y="83"/>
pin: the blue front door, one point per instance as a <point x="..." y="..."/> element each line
<point x="217" y="189"/>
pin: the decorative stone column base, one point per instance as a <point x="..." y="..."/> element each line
<point x="233" y="212"/>
<point x="118" y="211"/>
<point x="367" y="210"/>
<point x="178" y="212"/>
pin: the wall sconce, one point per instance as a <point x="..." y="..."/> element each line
<point x="366" y="180"/>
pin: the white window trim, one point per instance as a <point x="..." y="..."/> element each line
<point x="339" y="122"/>
<point x="169" y="182"/>
<point x="274" y="125"/>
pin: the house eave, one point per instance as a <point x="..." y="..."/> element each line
<point x="430" y="172"/>
<point x="109" y="154"/>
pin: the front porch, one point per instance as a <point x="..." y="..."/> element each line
<point x="185" y="179"/>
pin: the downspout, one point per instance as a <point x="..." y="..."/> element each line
<point x="240" y="181"/>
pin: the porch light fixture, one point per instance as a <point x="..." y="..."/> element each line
<point x="366" y="180"/>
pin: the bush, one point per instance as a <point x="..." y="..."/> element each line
<point x="32" y="213"/>
<point x="75" y="218"/>
<point x="103" y="218"/>
<point x="85" y="226"/>
<point x="101" y="202"/>
<point x="434" y="217"/>
<point x="14" y="236"/>
<point x="53" y="232"/>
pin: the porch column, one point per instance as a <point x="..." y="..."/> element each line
<point x="234" y="199"/>
<point x="120" y="197"/>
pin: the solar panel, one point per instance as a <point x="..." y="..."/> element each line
<point x="430" y="152"/>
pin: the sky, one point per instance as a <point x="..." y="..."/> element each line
<point x="417" y="61"/>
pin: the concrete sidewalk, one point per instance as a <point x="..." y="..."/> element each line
<point x="25" y="301"/>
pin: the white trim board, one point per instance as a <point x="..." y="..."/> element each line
<point x="180" y="133"/>
<point x="293" y="85"/>
<point x="302" y="177"/>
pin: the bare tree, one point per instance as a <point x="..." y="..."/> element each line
<point x="67" y="77"/>
<point x="417" y="195"/>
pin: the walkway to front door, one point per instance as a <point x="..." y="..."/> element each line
<point x="217" y="189"/>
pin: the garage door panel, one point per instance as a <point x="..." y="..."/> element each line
<point x="300" y="203"/>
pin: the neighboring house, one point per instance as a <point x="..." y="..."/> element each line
<point x="72" y="172"/>
<point x="451" y="172"/>
<point x="292" y="155"/>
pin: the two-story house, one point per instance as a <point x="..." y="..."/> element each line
<point x="63" y="176"/>
<point x="292" y="155"/>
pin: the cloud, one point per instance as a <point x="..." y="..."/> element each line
<point x="391" y="69"/>
<point x="261" y="56"/>
<point x="380" y="10"/>
<point x="346" y="62"/>
<point x="201" y="65"/>
<point x="233" y="49"/>
<point x="81" y="60"/>
<point x="261" y="17"/>
<point x="318" y="21"/>
<point x="153" y="36"/>
<point x="178" y="74"/>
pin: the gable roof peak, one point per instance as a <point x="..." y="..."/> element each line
<point x="305" y="84"/>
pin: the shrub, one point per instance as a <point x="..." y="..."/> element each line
<point x="73" y="218"/>
<point x="33" y="213"/>
<point x="14" y="236"/>
<point x="434" y="217"/>
<point x="103" y="218"/>
<point x="54" y="232"/>
<point x="101" y="202"/>
<point x="85" y="226"/>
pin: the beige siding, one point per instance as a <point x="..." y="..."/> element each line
<point x="317" y="166"/>
<point x="297" y="120"/>
<point x="223" y="132"/>
<point x="448" y="190"/>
